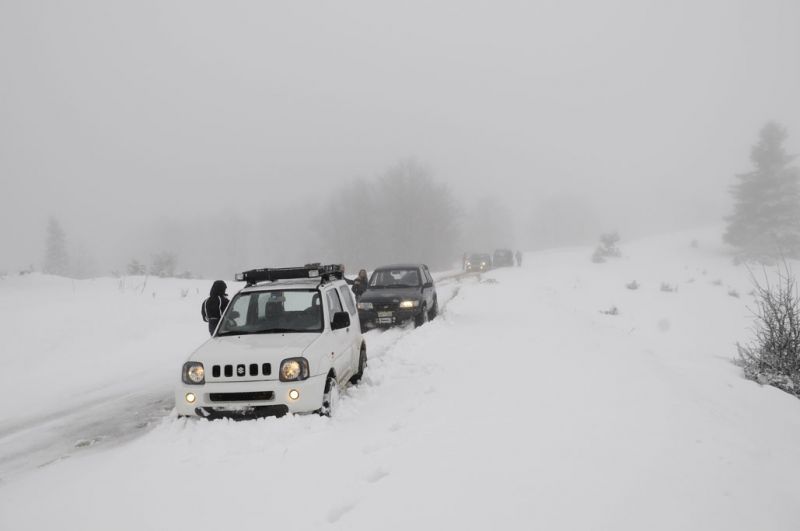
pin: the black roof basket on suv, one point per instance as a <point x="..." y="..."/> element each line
<point x="323" y="272"/>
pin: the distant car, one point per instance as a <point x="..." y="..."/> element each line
<point x="287" y="343"/>
<point x="397" y="294"/>
<point x="503" y="258"/>
<point x="478" y="262"/>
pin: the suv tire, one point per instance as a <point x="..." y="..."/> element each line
<point x="330" y="399"/>
<point x="421" y="318"/>
<point x="362" y="364"/>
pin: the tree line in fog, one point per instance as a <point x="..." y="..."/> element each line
<point x="405" y="215"/>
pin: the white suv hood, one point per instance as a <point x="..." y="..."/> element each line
<point x="253" y="348"/>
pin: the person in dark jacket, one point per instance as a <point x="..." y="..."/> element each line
<point x="360" y="284"/>
<point x="518" y="256"/>
<point x="214" y="306"/>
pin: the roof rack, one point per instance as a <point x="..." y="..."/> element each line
<point x="323" y="272"/>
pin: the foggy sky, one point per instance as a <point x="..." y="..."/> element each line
<point x="113" y="116"/>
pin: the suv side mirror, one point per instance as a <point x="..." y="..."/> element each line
<point x="340" y="320"/>
<point x="428" y="285"/>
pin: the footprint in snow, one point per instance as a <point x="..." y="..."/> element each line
<point x="336" y="513"/>
<point x="375" y="447"/>
<point x="376" y="475"/>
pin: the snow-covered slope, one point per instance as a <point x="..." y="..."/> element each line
<point x="524" y="406"/>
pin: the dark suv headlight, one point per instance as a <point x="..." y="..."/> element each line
<point x="293" y="370"/>
<point x="193" y="373"/>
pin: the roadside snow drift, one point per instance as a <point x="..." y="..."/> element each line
<point x="529" y="404"/>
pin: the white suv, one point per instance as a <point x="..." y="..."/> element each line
<point x="286" y="344"/>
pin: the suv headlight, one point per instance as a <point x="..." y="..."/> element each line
<point x="409" y="304"/>
<point x="364" y="305"/>
<point x="293" y="369"/>
<point x="193" y="373"/>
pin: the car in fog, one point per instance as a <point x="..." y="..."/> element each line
<point x="478" y="262"/>
<point x="503" y="258"/>
<point x="398" y="294"/>
<point x="286" y="343"/>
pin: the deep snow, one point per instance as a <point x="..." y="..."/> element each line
<point x="523" y="406"/>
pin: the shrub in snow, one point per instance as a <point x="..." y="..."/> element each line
<point x="733" y="293"/>
<point x="717" y="282"/>
<point x="163" y="265"/>
<point x="611" y="311"/>
<point x="632" y="285"/>
<point x="136" y="268"/>
<point x="607" y="248"/>
<point x="773" y="357"/>
<point x="668" y="288"/>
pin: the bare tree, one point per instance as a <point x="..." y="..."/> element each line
<point x="163" y="264"/>
<point x="402" y="216"/>
<point x="56" y="259"/>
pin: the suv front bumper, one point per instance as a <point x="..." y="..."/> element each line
<point x="375" y="319"/>
<point x="239" y="398"/>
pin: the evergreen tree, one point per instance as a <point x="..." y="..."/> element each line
<point x="766" y="218"/>
<point x="56" y="260"/>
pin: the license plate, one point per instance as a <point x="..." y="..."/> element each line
<point x="384" y="320"/>
<point x="384" y="314"/>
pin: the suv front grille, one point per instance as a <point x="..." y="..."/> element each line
<point x="241" y="370"/>
<point x="241" y="397"/>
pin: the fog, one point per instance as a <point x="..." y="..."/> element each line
<point x="222" y="131"/>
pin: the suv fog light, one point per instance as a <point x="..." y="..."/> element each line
<point x="294" y="394"/>
<point x="190" y="398"/>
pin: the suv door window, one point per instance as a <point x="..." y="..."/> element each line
<point x="347" y="297"/>
<point x="428" y="277"/>
<point x="334" y="305"/>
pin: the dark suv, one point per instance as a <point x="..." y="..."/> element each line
<point x="479" y="262"/>
<point x="503" y="258"/>
<point x="396" y="294"/>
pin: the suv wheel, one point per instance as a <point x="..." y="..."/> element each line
<point x="422" y="317"/>
<point x="330" y="399"/>
<point x="362" y="364"/>
<point x="434" y="311"/>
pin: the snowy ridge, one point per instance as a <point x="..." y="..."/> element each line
<point x="523" y="406"/>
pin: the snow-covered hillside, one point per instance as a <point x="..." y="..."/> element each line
<point x="525" y="406"/>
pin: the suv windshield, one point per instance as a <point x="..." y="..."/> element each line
<point x="395" y="278"/>
<point x="275" y="311"/>
<point x="477" y="258"/>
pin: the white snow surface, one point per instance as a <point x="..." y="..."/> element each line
<point x="523" y="406"/>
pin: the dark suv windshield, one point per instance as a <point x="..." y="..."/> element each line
<point x="477" y="258"/>
<point x="275" y="311"/>
<point x="395" y="278"/>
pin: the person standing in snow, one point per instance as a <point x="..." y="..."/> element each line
<point x="518" y="256"/>
<point x="360" y="284"/>
<point x="214" y="306"/>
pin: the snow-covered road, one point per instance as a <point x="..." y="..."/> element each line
<point x="118" y="414"/>
<point x="523" y="406"/>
